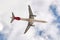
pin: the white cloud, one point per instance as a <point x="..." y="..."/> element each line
<point x="1" y="26"/>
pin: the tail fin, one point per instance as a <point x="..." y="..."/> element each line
<point x="12" y="17"/>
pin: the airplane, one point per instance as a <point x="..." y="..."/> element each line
<point x="30" y="19"/>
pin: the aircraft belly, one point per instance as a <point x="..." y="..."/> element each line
<point x="40" y="21"/>
<point x="24" y="19"/>
<point x="32" y="20"/>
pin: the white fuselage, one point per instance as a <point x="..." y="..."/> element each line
<point x="32" y="20"/>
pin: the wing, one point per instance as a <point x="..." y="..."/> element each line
<point x="30" y="12"/>
<point x="29" y="25"/>
<point x="31" y="16"/>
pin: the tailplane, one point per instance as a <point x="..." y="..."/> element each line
<point x="12" y="17"/>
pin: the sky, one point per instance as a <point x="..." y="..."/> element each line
<point x="47" y="10"/>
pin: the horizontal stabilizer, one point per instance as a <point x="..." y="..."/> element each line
<point x="12" y="18"/>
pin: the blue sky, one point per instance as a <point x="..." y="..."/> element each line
<point x="53" y="8"/>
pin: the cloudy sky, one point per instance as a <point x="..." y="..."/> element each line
<point x="47" y="10"/>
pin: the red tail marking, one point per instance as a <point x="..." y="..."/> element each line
<point x="17" y="18"/>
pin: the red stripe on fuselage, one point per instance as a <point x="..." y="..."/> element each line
<point x="17" y="18"/>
